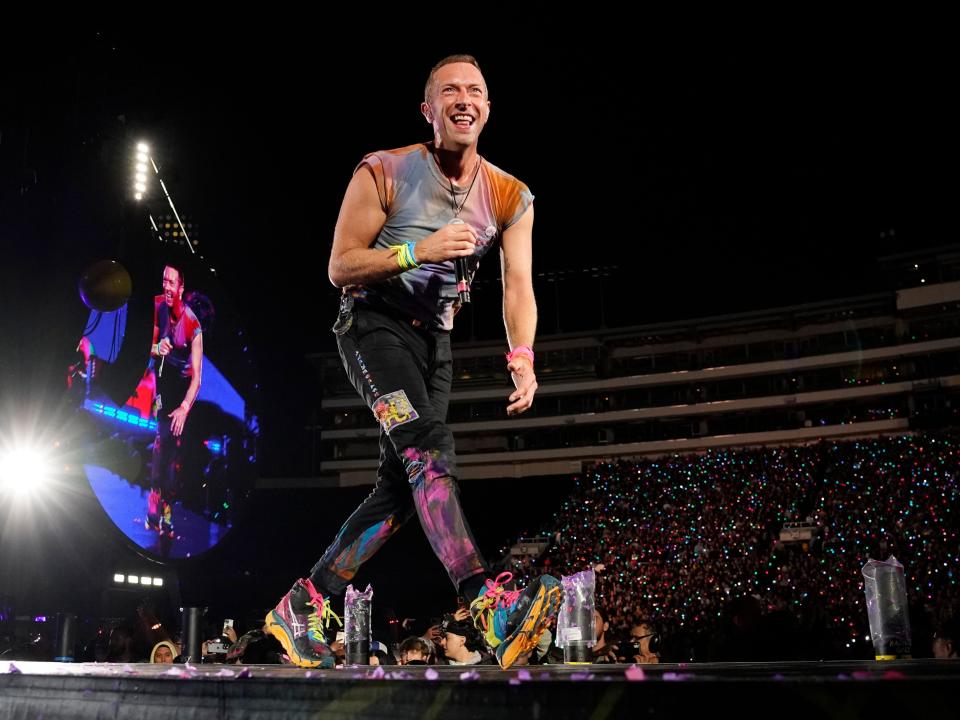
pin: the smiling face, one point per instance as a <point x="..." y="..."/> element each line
<point x="457" y="106"/>
<point x="172" y="286"/>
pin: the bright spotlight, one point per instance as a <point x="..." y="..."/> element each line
<point x="158" y="582"/>
<point x="118" y="577"/>
<point x="23" y="470"/>
<point x="133" y="579"/>
<point x="141" y="169"/>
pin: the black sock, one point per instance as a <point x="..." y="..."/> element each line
<point x="317" y="579"/>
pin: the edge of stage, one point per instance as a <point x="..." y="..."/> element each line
<point x="900" y="689"/>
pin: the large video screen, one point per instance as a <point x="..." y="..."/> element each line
<point x="164" y="379"/>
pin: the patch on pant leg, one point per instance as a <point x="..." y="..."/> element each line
<point x="394" y="409"/>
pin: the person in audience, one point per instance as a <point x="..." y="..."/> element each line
<point x="416" y="651"/>
<point x="164" y="652"/>
<point x="461" y="643"/>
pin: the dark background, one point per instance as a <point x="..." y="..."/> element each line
<point x="708" y="172"/>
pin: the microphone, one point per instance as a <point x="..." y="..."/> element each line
<point x="463" y="287"/>
<point x="460" y="264"/>
<point x="162" y="357"/>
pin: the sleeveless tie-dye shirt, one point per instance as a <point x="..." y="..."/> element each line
<point x="417" y="199"/>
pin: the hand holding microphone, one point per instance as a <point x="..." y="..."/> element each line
<point x="163" y="349"/>
<point x="454" y="241"/>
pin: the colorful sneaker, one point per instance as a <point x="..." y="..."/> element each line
<point x="166" y="520"/>
<point x="298" y="622"/>
<point x="152" y="521"/>
<point x="512" y="621"/>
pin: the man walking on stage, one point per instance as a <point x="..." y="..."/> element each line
<point x="408" y="216"/>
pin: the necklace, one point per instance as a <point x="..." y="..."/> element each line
<point x="453" y="192"/>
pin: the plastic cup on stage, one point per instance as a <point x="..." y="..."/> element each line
<point x="886" y="591"/>
<point x="356" y="631"/>
<point x="576" y="633"/>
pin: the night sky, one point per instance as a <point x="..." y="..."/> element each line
<point x="716" y="174"/>
<point x="717" y="171"/>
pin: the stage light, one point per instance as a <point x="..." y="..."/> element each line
<point x="144" y="163"/>
<point x="23" y="470"/>
<point x="146" y="580"/>
<point x="141" y="168"/>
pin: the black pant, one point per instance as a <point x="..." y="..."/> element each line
<point x="167" y="457"/>
<point x="404" y="375"/>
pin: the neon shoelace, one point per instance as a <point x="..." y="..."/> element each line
<point x="320" y="618"/>
<point x="494" y="597"/>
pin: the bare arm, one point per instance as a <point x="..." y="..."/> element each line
<point x="178" y="417"/>
<point x="519" y="307"/>
<point x="353" y="261"/>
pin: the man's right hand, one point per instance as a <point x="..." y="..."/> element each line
<point x="449" y="242"/>
<point x="164" y="347"/>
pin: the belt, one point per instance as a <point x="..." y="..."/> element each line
<point x="353" y="294"/>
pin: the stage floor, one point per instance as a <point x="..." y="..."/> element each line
<point x="900" y="689"/>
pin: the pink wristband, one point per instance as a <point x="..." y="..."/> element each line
<point x="520" y="350"/>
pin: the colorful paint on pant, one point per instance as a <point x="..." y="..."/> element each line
<point x="438" y="504"/>
<point x="348" y="561"/>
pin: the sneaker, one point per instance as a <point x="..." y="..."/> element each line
<point x="298" y="622"/>
<point x="512" y="621"/>
<point x="152" y="521"/>
<point x="166" y="520"/>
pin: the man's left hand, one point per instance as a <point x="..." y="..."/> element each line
<point x="178" y="419"/>
<point x="525" y="380"/>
